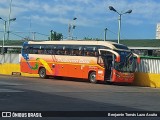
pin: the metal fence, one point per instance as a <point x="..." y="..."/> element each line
<point x="149" y="65"/>
<point x="9" y="58"/>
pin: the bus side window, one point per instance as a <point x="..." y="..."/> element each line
<point x="62" y="52"/>
<point x="48" y="49"/>
<point x="80" y="53"/>
<point x="87" y="53"/>
<point x="44" y="49"/>
<point x="40" y="51"/>
<point x="73" y="52"/>
<point x="95" y="54"/>
<point x="53" y="52"/>
<point x="65" y="52"/>
<point x="57" y="52"/>
<point x="92" y="53"/>
<point x="30" y="50"/>
<point x="35" y="51"/>
<point x="90" y="50"/>
<point x="77" y="52"/>
<point x="50" y="52"/>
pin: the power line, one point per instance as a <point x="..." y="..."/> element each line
<point x="31" y="32"/>
<point x="114" y="33"/>
<point x="17" y="35"/>
<point x="41" y="34"/>
<point x="24" y="32"/>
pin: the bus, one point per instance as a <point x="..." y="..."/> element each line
<point x="90" y="60"/>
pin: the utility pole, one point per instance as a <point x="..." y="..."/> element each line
<point x="10" y="6"/>
<point x="119" y="19"/>
<point x="105" y="34"/>
<point x="51" y="35"/>
<point x="34" y="35"/>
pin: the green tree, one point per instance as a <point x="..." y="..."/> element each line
<point x="55" y="36"/>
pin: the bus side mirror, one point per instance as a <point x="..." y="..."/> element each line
<point x="138" y="58"/>
<point x="117" y="58"/>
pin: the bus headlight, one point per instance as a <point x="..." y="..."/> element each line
<point x="118" y="75"/>
<point x="100" y="72"/>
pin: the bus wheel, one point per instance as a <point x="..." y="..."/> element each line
<point x="42" y="73"/>
<point x="92" y="77"/>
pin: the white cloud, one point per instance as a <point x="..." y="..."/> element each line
<point x="27" y="4"/>
<point x="3" y="12"/>
<point x="88" y="12"/>
<point x="57" y="9"/>
<point x="143" y="10"/>
<point x="82" y="21"/>
<point x="135" y="21"/>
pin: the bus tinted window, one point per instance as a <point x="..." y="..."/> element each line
<point x="36" y="49"/>
<point x="48" y="49"/>
<point x="73" y="50"/>
<point x="61" y="50"/>
<point x="54" y="49"/>
<point x="77" y="50"/>
<point x="81" y="50"/>
<point x="67" y="49"/>
<point x="57" y="49"/>
<point x="121" y="46"/>
<point x="90" y="50"/>
<point x="103" y="47"/>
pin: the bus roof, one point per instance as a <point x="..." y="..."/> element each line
<point x="111" y="45"/>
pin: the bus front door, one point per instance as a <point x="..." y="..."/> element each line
<point x="108" y="64"/>
<point x="105" y="61"/>
<point x="108" y="56"/>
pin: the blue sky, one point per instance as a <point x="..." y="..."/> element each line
<point x="93" y="16"/>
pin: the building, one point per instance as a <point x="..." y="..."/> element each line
<point x="158" y="31"/>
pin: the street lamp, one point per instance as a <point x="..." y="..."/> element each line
<point x="5" y="23"/>
<point x="71" y="27"/>
<point x="13" y="19"/>
<point x="119" y="19"/>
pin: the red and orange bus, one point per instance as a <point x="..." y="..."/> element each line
<point x="92" y="60"/>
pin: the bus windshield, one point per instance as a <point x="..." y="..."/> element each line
<point x="127" y="62"/>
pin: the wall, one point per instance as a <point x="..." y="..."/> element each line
<point x="148" y="72"/>
<point x="10" y="58"/>
<point x="9" y="65"/>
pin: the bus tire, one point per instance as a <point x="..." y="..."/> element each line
<point x="42" y="73"/>
<point x="92" y="77"/>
